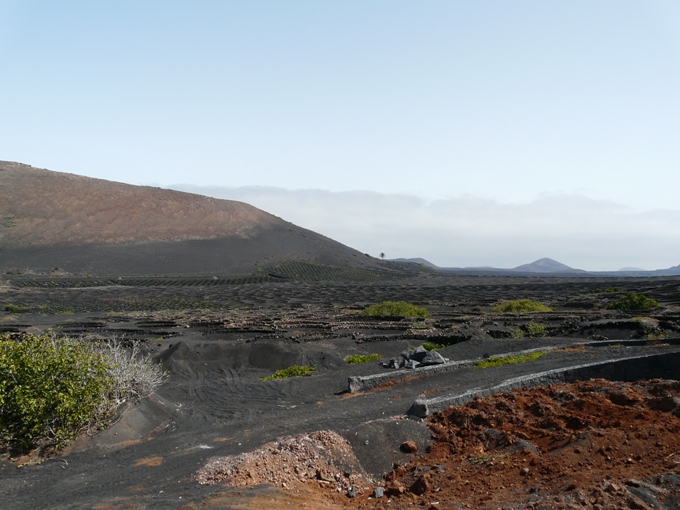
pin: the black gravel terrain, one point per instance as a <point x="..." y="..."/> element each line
<point x="217" y="339"/>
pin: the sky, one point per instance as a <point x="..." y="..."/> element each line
<point x="468" y="133"/>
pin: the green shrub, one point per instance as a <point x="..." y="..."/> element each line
<point x="520" y="306"/>
<point x="497" y="361"/>
<point x="429" y="346"/>
<point x="51" y="388"/>
<point x="357" y="359"/>
<point x="15" y="309"/>
<point x="396" y="309"/>
<point x="534" y="329"/>
<point x="48" y="388"/>
<point x="633" y="301"/>
<point x="291" y="371"/>
<point x="612" y="289"/>
<point x="529" y="330"/>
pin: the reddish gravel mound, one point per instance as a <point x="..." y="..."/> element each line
<point x="595" y="444"/>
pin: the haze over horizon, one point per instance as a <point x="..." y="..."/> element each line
<point x="469" y="134"/>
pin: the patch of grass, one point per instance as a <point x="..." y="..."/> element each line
<point x="534" y="329"/>
<point x="514" y="359"/>
<point x="358" y="359"/>
<point x="291" y="371"/>
<point x="633" y="301"/>
<point x="429" y="346"/>
<point x="521" y="306"/>
<point x="52" y="388"/>
<point x="15" y="309"/>
<point x="396" y="309"/>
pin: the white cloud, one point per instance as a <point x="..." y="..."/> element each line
<point x="462" y="232"/>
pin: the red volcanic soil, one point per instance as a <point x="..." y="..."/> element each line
<point x="78" y="224"/>
<point x="594" y="444"/>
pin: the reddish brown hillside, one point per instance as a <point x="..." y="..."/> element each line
<point x="41" y="207"/>
<point x="77" y="224"/>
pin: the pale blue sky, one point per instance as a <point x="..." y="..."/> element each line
<point x="510" y="102"/>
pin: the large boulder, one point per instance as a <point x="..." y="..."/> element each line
<point x="433" y="358"/>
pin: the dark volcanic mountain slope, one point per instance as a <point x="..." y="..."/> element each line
<point x="79" y="224"/>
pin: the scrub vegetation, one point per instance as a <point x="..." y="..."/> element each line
<point x="15" y="309"/>
<point x="632" y="302"/>
<point x="53" y="388"/>
<point x="291" y="371"/>
<point x="529" y="330"/>
<point x="358" y="359"/>
<point x="521" y="306"/>
<point x="396" y="309"/>
<point x="515" y="359"/>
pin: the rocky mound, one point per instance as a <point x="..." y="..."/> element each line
<point x="53" y="221"/>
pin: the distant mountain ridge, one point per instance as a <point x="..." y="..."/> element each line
<point x="545" y="266"/>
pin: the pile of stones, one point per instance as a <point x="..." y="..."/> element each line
<point x="418" y="357"/>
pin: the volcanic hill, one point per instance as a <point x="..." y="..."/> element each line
<point x="54" y="221"/>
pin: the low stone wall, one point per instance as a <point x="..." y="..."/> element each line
<point x="662" y="366"/>
<point x="367" y="382"/>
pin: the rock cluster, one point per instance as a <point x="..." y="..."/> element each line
<point x="418" y="357"/>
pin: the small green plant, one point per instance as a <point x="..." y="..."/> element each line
<point x="291" y="371"/>
<point x="396" y="309"/>
<point x="612" y="289"/>
<point x="429" y="346"/>
<point x="633" y="301"/>
<point x="534" y="329"/>
<point x="358" y="359"/>
<point x="514" y="359"/>
<point x="15" y="309"/>
<point x="521" y="306"/>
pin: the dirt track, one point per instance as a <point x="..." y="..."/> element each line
<point x="215" y="405"/>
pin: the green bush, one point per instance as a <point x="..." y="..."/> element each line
<point x="291" y="371"/>
<point x="51" y="388"/>
<point x="429" y="346"/>
<point x="534" y="329"/>
<point x="357" y="359"/>
<point x="633" y="301"/>
<point x="521" y="306"/>
<point x="497" y="361"/>
<point x="48" y="388"/>
<point x="15" y="309"/>
<point x="396" y="309"/>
